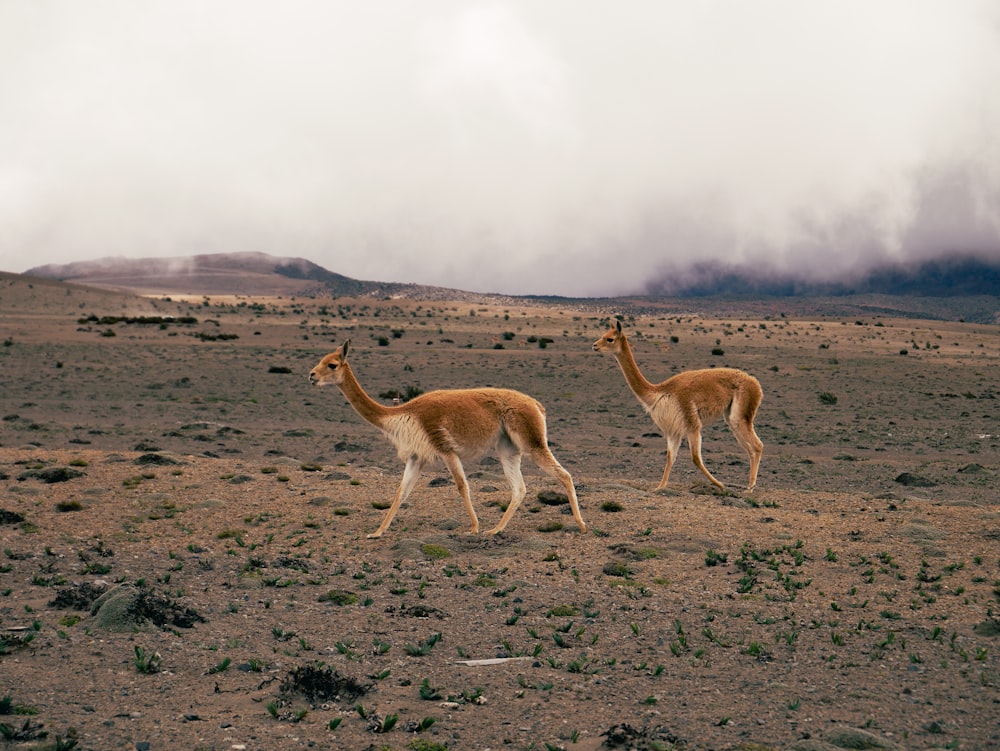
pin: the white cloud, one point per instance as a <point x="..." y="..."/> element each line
<point x="567" y="146"/>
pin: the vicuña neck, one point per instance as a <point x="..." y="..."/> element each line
<point x="637" y="382"/>
<point x="363" y="404"/>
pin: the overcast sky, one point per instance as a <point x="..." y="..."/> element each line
<point x="575" y="147"/>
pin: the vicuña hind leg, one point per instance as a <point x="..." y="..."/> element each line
<point x="410" y="474"/>
<point x="544" y="459"/>
<point x="747" y="438"/>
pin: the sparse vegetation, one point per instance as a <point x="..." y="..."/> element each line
<point x="832" y="573"/>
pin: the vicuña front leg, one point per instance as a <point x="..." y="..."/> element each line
<point x="410" y="474"/>
<point x="454" y="465"/>
<point x="673" y="445"/>
<point x="511" y="463"/>
<point x="695" y="440"/>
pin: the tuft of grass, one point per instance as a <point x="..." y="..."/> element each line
<point x="435" y="552"/>
<point x="714" y="559"/>
<point x="428" y="692"/>
<point x="425" y="646"/>
<point x="146" y="662"/>
<point x="220" y="666"/>
<point x="617" y="568"/>
<point x="563" y="611"/>
<point x="340" y="597"/>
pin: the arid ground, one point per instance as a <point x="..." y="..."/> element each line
<point x="183" y="521"/>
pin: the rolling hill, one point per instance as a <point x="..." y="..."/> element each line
<point x="961" y="288"/>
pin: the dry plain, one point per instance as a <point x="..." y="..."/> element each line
<point x="183" y="470"/>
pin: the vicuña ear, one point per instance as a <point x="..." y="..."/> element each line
<point x="619" y="324"/>
<point x="344" y="349"/>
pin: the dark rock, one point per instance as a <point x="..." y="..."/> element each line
<point x="914" y="481"/>
<point x="51" y="474"/>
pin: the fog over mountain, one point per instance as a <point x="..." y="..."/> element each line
<point x="570" y="147"/>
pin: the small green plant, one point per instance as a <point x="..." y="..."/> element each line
<point x="220" y="666"/>
<point x="435" y="552"/>
<point x="425" y="646"/>
<point x="616" y="568"/>
<point x="429" y="693"/>
<point x="387" y="723"/>
<point x="339" y="597"/>
<point x="146" y="662"/>
<point x="563" y="611"/>
<point x="714" y="559"/>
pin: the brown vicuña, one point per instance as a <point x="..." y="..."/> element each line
<point x="454" y="425"/>
<point x="681" y="405"/>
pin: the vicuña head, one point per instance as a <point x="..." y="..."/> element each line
<point x="454" y="425"/>
<point x="681" y="405"/>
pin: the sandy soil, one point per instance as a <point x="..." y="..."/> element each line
<point x="185" y="565"/>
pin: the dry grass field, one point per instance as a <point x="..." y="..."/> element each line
<point x="184" y="562"/>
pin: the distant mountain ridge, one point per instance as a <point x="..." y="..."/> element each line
<point x="959" y="288"/>
<point x="217" y="273"/>
<point x="940" y="277"/>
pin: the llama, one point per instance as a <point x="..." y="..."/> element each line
<point x="682" y="404"/>
<point x="454" y="425"/>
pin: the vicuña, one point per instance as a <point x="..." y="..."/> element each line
<point x="681" y="405"/>
<point x="454" y="425"/>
